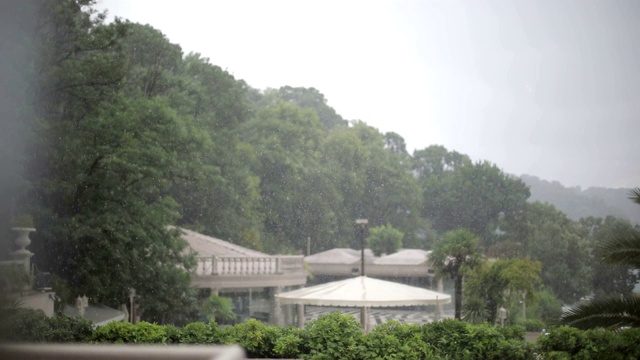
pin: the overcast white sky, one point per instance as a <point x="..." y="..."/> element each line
<point x="546" y="88"/>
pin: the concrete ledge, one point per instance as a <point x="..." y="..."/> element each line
<point x="120" y="352"/>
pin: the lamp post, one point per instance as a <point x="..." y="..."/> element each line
<point x="363" y="224"/>
<point x="132" y="295"/>
<point x="363" y="310"/>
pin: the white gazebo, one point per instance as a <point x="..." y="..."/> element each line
<point x="362" y="292"/>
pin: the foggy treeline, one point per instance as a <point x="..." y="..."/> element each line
<point x="577" y="203"/>
<point x="124" y="135"/>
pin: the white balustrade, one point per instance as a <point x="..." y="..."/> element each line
<point x="223" y="265"/>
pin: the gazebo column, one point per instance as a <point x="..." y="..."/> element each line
<point x="300" y="315"/>
<point x="363" y="318"/>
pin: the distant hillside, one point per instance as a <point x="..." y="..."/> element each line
<point x="577" y="203"/>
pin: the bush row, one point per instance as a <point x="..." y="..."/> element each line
<point x="338" y="336"/>
<point x="566" y="342"/>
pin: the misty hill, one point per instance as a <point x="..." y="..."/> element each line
<point x="578" y="203"/>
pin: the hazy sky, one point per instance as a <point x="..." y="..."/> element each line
<point x="547" y="88"/>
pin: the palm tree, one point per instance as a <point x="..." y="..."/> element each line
<point x="456" y="254"/>
<point x="612" y="312"/>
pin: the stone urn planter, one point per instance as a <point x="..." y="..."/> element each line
<point x="22" y="240"/>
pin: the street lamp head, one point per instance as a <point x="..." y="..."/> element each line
<point x="362" y="221"/>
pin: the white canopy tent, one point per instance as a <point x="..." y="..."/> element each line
<point x="363" y="292"/>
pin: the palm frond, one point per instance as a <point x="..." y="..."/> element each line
<point x="612" y="313"/>
<point x="634" y="195"/>
<point x="622" y="251"/>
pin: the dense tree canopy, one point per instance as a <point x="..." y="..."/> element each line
<point x="458" y="193"/>
<point x="129" y="136"/>
<point x="385" y="240"/>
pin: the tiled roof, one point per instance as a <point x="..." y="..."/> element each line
<point x="404" y="257"/>
<point x="339" y="256"/>
<point x="205" y="245"/>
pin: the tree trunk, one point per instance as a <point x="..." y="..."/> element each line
<point x="458" y="297"/>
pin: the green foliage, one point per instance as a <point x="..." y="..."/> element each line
<point x="513" y="332"/>
<point x="393" y="340"/>
<point x="457" y="340"/>
<point x="569" y="342"/>
<point x="14" y="278"/>
<point x="498" y="284"/>
<point x="255" y="337"/>
<point x="312" y="99"/>
<point x="68" y="329"/>
<point x="201" y="333"/>
<point x="103" y="162"/>
<point x="291" y="343"/>
<point x="456" y="255"/>
<point x="115" y="332"/>
<point x="611" y="279"/>
<point x="459" y="194"/>
<point x="546" y="235"/>
<point x="385" y="239"/>
<point x="139" y="333"/>
<point x="218" y="309"/>
<point x="26" y="325"/>
<point x="533" y="325"/>
<point x="334" y="336"/>
<point x="547" y="307"/>
<point x="612" y="312"/>
<point x="174" y="334"/>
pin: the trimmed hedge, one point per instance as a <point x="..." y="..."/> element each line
<point x="338" y="336"/>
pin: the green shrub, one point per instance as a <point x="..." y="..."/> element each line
<point x="446" y="336"/>
<point x="334" y="336"/>
<point x="219" y="309"/>
<point x="393" y="340"/>
<point x="590" y="344"/>
<point x="255" y="337"/>
<point x="629" y="343"/>
<point x="68" y="329"/>
<point x="24" y="325"/>
<point x="515" y="332"/>
<point x="147" y="333"/>
<point x="33" y="326"/>
<point x="564" y="338"/>
<point x="290" y="343"/>
<point x="174" y="334"/>
<point x="201" y="333"/>
<point x="512" y="349"/>
<point x="547" y="307"/>
<point x="115" y="332"/>
<point x="127" y="333"/>
<point x="532" y="324"/>
<point x="454" y="339"/>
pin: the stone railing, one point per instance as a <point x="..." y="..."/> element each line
<point x="233" y="266"/>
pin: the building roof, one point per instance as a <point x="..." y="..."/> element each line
<point x="206" y="246"/>
<point x="340" y="256"/>
<point x="404" y="257"/>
